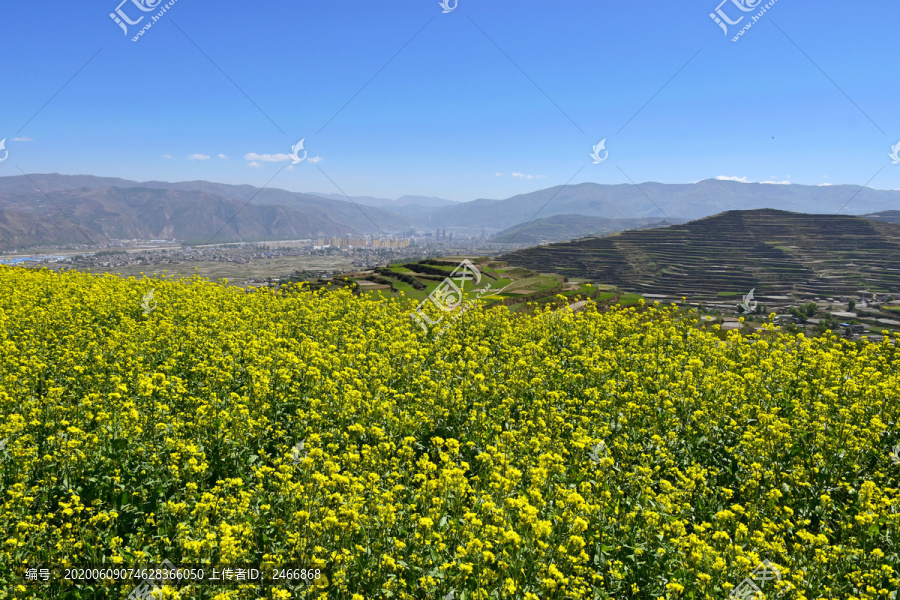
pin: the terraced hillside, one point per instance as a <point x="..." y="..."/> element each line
<point x="777" y="252"/>
<point x="520" y="290"/>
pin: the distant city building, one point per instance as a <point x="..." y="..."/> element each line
<point x="286" y="244"/>
<point x="349" y="242"/>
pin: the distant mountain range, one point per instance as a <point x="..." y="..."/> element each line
<point x="51" y="209"/>
<point x="663" y="201"/>
<point x="60" y="209"/>
<point x="776" y="252"/>
<point x="94" y="215"/>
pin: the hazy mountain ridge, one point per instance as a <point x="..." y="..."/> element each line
<point x="284" y="214"/>
<point x="95" y="215"/>
<point x="271" y="213"/>
<point x="664" y="200"/>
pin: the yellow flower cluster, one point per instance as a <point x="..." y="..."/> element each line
<point x="618" y="454"/>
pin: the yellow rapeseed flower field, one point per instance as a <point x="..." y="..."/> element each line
<point x="618" y="454"/>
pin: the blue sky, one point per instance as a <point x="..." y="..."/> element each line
<point x="809" y="94"/>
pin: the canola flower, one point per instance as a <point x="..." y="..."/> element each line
<point x="616" y="454"/>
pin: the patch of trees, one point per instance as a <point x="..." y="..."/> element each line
<point x="521" y="272"/>
<point x="804" y="311"/>
<point x="828" y="322"/>
<point x="431" y="261"/>
<point x="422" y="268"/>
<point x="404" y="277"/>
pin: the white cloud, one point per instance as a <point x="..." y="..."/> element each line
<point x="824" y="184"/>
<point x="223" y="157"/>
<point x="315" y="159"/>
<point x="267" y="157"/>
<point x="727" y="178"/>
<point x="198" y="157"/>
<point x="167" y="156"/>
<point x="22" y="139"/>
<point x="777" y="182"/>
<point x="498" y="174"/>
<point x="524" y="176"/>
<point x="254" y="164"/>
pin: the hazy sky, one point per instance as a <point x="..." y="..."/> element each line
<point x="490" y="100"/>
